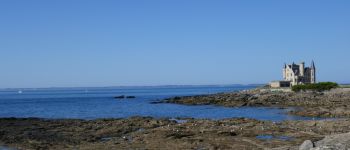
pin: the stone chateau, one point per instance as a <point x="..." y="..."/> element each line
<point x="295" y="74"/>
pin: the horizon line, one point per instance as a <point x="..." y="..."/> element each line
<point x="164" y="85"/>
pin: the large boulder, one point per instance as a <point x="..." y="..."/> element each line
<point x="307" y="145"/>
<point x="338" y="142"/>
<point x="332" y="142"/>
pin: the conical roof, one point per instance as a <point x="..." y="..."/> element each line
<point x="313" y="64"/>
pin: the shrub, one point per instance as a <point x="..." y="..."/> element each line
<point x="322" y="86"/>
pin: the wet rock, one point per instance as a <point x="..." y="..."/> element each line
<point x="119" y="97"/>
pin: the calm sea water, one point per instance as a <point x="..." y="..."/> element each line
<point x="92" y="103"/>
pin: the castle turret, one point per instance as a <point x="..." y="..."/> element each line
<point x="302" y="68"/>
<point x="284" y="71"/>
<point x="313" y="72"/>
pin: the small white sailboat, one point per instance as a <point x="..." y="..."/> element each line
<point x="20" y="92"/>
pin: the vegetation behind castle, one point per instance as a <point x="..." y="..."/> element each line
<point x="319" y="87"/>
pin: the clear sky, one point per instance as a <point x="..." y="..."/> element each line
<point x="68" y="43"/>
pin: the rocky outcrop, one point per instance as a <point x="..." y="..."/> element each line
<point x="335" y="103"/>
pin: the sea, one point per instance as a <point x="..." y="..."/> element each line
<point x="99" y="102"/>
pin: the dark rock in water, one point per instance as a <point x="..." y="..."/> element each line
<point x="157" y="102"/>
<point x="123" y="96"/>
<point x="177" y="98"/>
<point x="120" y="97"/>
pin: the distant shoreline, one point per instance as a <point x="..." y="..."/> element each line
<point x="141" y="86"/>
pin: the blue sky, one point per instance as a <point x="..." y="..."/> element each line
<point x="69" y="43"/>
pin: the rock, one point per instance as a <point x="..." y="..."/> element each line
<point x="307" y="145"/>
<point x="157" y="102"/>
<point x="177" y="98"/>
<point x="338" y="141"/>
<point x="131" y="97"/>
<point x="120" y="97"/>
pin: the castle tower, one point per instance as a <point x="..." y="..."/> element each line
<point x="313" y="72"/>
<point x="284" y="71"/>
<point x="302" y="68"/>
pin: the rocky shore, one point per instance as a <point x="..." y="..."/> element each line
<point x="187" y="133"/>
<point x="150" y="133"/>
<point x="334" y="103"/>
